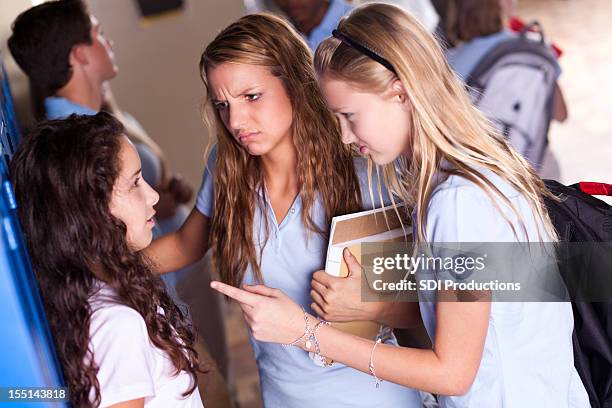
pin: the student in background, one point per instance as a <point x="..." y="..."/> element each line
<point x="86" y="214"/>
<point x="398" y="101"/>
<point x="422" y="10"/>
<point x="68" y="60"/>
<point x="484" y="52"/>
<point x="315" y="19"/>
<point x="474" y="27"/>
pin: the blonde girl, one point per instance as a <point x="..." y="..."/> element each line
<point x="398" y="101"/>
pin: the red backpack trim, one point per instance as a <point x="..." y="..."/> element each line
<point x="596" y="188"/>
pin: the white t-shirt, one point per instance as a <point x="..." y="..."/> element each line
<point x="131" y="366"/>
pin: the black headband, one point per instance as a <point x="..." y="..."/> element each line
<point x="364" y="50"/>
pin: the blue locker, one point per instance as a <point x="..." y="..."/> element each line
<point x="28" y="358"/>
<point x="9" y="134"/>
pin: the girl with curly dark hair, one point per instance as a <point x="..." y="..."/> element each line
<point x="86" y="214"/>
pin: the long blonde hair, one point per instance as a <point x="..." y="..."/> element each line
<point x="324" y="164"/>
<point x="445" y="128"/>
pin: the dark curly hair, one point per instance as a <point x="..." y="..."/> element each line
<point x="63" y="174"/>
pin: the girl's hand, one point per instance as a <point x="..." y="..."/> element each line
<point x="271" y="315"/>
<point x="339" y="299"/>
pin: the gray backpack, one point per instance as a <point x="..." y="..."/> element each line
<point x="513" y="85"/>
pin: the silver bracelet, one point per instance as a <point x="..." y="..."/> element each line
<point x="371" y="365"/>
<point x="307" y="331"/>
<point x="315" y="342"/>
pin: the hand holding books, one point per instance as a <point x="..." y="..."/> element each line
<point x="338" y="290"/>
<point x="338" y="299"/>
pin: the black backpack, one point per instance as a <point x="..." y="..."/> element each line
<point x="581" y="218"/>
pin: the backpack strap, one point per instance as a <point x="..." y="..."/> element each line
<point x="533" y="27"/>
<point x="520" y="43"/>
<point x="595" y="188"/>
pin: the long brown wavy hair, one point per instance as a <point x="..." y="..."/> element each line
<point x="63" y="173"/>
<point x="324" y="165"/>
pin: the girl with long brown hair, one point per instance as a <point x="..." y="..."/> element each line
<point x="277" y="175"/>
<point x="398" y="100"/>
<point x="86" y="214"/>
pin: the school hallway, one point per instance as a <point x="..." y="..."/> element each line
<point x="580" y="148"/>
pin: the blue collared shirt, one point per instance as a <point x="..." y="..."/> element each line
<point x="337" y="9"/>
<point x="60" y="108"/>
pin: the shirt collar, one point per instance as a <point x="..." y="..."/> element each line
<point x="57" y="107"/>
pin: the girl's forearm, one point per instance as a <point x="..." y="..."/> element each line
<point x="181" y="248"/>
<point x="415" y="368"/>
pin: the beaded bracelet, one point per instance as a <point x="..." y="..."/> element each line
<point x="317" y="351"/>
<point x="307" y="332"/>
<point x="311" y="339"/>
<point x="371" y="365"/>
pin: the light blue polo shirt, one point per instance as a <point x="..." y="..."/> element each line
<point x="57" y="107"/>
<point x="527" y="359"/>
<point x="337" y="9"/>
<point x="466" y="56"/>
<point x="289" y="378"/>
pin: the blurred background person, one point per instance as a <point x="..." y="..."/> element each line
<point x="523" y="106"/>
<point x="315" y="19"/>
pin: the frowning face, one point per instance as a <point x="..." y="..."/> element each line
<point x="253" y="105"/>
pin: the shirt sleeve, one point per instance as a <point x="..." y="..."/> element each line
<point x="205" y="198"/>
<point x="464" y="222"/>
<point x="466" y="213"/>
<point x="123" y="352"/>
